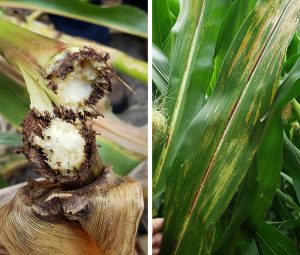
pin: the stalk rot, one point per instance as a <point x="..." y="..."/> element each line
<point x="82" y="207"/>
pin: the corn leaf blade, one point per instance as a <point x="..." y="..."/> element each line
<point x="14" y="101"/>
<point x="160" y="67"/>
<point x="292" y="163"/>
<point x="161" y="21"/>
<point x="234" y="19"/>
<point x="268" y="171"/>
<point x="191" y="63"/>
<point x="271" y="242"/>
<point x="223" y="138"/>
<point x="124" y="18"/>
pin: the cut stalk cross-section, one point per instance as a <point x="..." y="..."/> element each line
<point x="62" y="150"/>
<point x="65" y="83"/>
<point x="60" y="78"/>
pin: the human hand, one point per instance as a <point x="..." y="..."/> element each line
<point x="157" y="225"/>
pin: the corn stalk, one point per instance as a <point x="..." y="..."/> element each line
<point x="127" y="142"/>
<point x="121" y="61"/>
<point x="119" y="151"/>
<point x="76" y="202"/>
<point x="128" y="136"/>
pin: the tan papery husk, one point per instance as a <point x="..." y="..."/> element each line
<point x="100" y="218"/>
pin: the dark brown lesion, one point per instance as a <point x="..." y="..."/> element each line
<point x="101" y="84"/>
<point x="68" y="63"/>
<point x="34" y="126"/>
<point x="54" y="202"/>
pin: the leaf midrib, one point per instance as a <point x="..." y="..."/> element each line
<point x="179" y="98"/>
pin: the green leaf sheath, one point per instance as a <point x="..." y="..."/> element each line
<point x="160" y="67"/>
<point x="221" y="141"/>
<point x="124" y="18"/>
<point x="130" y="66"/>
<point x="27" y="49"/>
<point x="191" y="65"/>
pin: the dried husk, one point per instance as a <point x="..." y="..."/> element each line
<point x="22" y="232"/>
<point x="100" y="218"/>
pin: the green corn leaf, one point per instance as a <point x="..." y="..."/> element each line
<point x="14" y="101"/>
<point x="174" y="7"/>
<point x="167" y="46"/>
<point x="11" y="139"/>
<point x="161" y="21"/>
<point x="160" y="67"/>
<point x="288" y="200"/>
<point x="289" y="64"/>
<point x="248" y="249"/>
<point x="292" y="163"/>
<point x="282" y="211"/>
<point x="234" y="19"/>
<point x="3" y="182"/>
<point x="241" y="211"/>
<point x="221" y="141"/>
<point x="292" y="223"/>
<point x="11" y="162"/>
<point x="268" y="171"/>
<point x="193" y="44"/>
<point x="294" y="47"/>
<point x="289" y="89"/>
<point x="271" y="242"/>
<point x="122" y="160"/>
<point x="124" y="18"/>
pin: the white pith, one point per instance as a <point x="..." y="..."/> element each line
<point x="63" y="146"/>
<point x="77" y="87"/>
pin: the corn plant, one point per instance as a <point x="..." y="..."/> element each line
<point x="121" y="143"/>
<point x="226" y="140"/>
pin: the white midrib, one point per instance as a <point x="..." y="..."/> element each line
<point x="181" y="233"/>
<point x="181" y="93"/>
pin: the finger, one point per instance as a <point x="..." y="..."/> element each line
<point x="157" y="225"/>
<point x="155" y="251"/>
<point x="156" y="240"/>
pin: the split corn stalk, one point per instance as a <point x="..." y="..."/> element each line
<point x="82" y="207"/>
